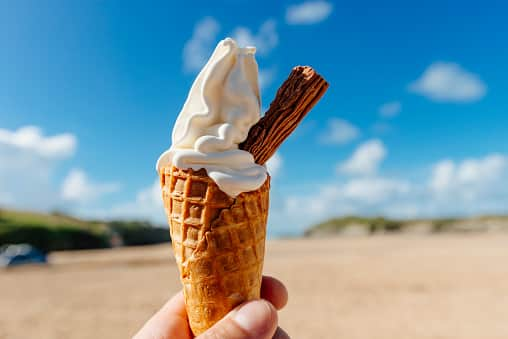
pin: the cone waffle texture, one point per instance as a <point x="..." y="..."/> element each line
<point x="218" y="243"/>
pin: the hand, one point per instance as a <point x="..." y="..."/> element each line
<point x="254" y="319"/>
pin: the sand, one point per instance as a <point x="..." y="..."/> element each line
<point x="380" y="287"/>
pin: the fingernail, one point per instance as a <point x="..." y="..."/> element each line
<point x="254" y="316"/>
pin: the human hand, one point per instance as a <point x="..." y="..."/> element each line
<point x="254" y="319"/>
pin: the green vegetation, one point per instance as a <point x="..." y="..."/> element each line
<point x="56" y="231"/>
<point x="384" y="225"/>
<point x="443" y="225"/>
<point x="371" y="225"/>
<point x="135" y="233"/>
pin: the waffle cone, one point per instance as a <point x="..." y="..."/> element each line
<point x="218" y="243"/>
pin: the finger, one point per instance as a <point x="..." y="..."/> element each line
<point x="280" y="334"/>
<point x="252" y="320"/>
<point x="169" y="322"/>
<point x="174" y="306"/>
<point x="274" y="291"/>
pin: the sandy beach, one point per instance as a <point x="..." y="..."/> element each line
<point x="384" y="287"/>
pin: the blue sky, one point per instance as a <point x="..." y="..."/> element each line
<point x="414" y="124"/>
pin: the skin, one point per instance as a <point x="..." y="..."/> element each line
<point x="255" y="319"/>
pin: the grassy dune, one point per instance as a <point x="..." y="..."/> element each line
<point x="51" y="232"/>
<point x="355" y="224"/>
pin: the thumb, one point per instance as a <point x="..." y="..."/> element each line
<point x="254" y="319"/>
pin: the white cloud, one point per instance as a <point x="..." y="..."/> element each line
<point x="266" y="77"/>
<point x="482" y="170"/>
<point x="339" y="132"/>
<point x="77" y="187"/>
<point x="147" y="205"/>
<point x="365" y="159"/>
<point x="307" y="13"/>
<point x="442" y="175"/>
<point x="31" y="139"/>
<point x="265" y="40"/>
<point x="390" y="109"/>
<point x="443" y="81"/>
<point x="151" y="195"/>
<point x="200" y="46"/>
<point x="470" y="179"/>
<point x="274" y="164"/>
<point x="305" y="207"/>
<point x="374" y="190"/>
<point x="469" y="187"/>
<point x="28" y="160"/>
<point x="198" y="49"/>
<point x="358" y="196"/>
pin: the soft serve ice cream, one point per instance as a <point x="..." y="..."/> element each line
<point x="222" y="105"/>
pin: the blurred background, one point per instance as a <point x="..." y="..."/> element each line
<point x="394" y="184"/>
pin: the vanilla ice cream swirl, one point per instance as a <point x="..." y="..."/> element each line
<point x="221" y="107"/>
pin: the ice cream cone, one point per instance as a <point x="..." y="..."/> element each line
<point x="218" y="243"/>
